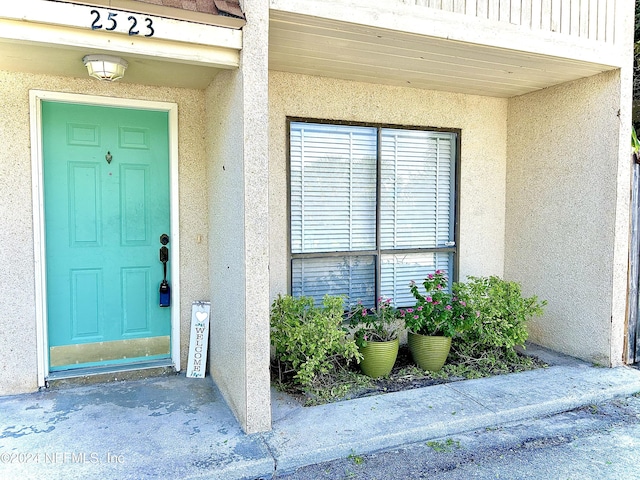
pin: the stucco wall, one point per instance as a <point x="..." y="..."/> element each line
<point x="237" y="139"/>
<point x="17" y="304"/>
<point x="226" y="235"/>
<point x="566" y="185"/>
<point x="483" y="122"/>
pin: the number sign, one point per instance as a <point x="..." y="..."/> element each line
<point x="122" y="22"/>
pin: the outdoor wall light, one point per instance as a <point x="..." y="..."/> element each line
<point x="105" y="67"/>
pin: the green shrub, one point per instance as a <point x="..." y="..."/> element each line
<point x="309" y="341"/>
<point x="501" y="318"/>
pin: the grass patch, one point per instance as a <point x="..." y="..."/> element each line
<point x="448" y="446"/>
<point x="356" y="459"/>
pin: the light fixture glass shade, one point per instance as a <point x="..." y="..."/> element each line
<point x="105" y="67"/>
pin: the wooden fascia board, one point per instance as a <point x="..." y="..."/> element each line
<point x="79" y="17"/>
<point x="167" y="12"/>
<point x="48" y="35"/>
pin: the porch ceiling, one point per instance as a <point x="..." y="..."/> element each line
<point x="325" y="47"/>
<point x="67" y="61"/>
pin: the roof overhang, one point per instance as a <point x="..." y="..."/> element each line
<point x="52" y="37"/>
<point x="432" y="50"/>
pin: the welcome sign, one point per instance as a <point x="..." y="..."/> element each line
<point x="199" y="341"/>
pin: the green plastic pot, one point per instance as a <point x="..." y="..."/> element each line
<point x="379" y="358"/>
<point x="429" y="352"/>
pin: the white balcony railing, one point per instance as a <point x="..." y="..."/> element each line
<point x="589" y="19"/>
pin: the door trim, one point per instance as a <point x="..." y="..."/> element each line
<point x="632" y="342"/>
<point x="37" y="181"/>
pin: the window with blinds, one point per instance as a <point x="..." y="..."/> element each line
<point x="372" y="208"/>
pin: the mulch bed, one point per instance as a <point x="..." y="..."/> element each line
<point x="404" y="376"/>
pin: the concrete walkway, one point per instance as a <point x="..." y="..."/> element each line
<point x="174" y="427"/>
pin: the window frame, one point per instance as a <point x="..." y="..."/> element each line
<point x="378" y="252"/>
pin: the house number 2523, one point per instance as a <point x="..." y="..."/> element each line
<point x="110" y="23"/>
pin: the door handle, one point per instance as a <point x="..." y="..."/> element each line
<point x="164" y="255"/>
<point x="165" y="289"/>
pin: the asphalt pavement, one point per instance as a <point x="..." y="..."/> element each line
<point x="595" y="442"/>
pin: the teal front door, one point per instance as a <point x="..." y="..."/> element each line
<point x="106" y="204"/>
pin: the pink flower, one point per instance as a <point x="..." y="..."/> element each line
<point x="429" y="299"/>
<point x="436" y="303"/>
<point x="439" y="287"/>
<point x="477" y="314"/>
<point x="364" y="312"/>
<point x="402" y="313"/>
<point x="448" y="307"/>
<point x="463" y="303"/>
<point x="419" y="308"/>
<point x="409" y="310"/>
<point x="430" y="277"/>
<point x="439" y="272"/>
<point x="416" y="317"/>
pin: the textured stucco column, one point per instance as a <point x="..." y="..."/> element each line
<point x="17" y="305"/>
<point x="237" y="117"/>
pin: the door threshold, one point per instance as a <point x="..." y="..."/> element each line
<point x="108" y="373"/>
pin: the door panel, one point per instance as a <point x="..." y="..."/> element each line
<point x="86" y="305"/>
<point x="135" y="307"/>
<point x="135" y="226"/>
<point x="106" y="196"/>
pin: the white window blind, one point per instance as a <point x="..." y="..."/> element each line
<point x="397" y="271"/>
<point x="352" y="277"/>
<point x="416" y="194"/>
<point x="334" y="193"/>
<point x="333" y="188"/>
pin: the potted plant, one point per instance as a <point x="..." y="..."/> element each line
<point x="438" y="315"/>
<point x="375" y="333"/>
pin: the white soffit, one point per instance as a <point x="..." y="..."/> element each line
<point x="51" y="38"/>
<point x="327" y="47"/>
